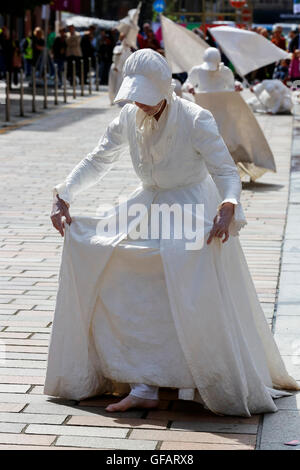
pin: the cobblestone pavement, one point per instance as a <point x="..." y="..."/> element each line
<point x="34" y="158"/>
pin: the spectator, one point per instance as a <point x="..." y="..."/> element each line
<point x="278" y="39"/>
<point x="295" y="42"/>
<point x="281" y="71"/>
<point x="88" y="50"/>
<point x="294" y="68"/>
<point x="38" y="44"/>
<point x="16" y="60"/>
<point x="105" y="51"/>
<point x="292" y="34"/>
<point x="73" y="51"/>
<point x="5" y="51"/>
<point x="59" y="53"/>
<point x="50" y="38"/>
<point x="151" y="42"/>
<point x="142" y="36"/>
<point x="26" y="49"/>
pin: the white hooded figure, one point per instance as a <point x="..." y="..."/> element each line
<point x="128" y="29"/>
<point x="272" y="96"/>
<point x="211" y="76"/>
<point x="146" y="301"/>
<point x="121" y="52"/>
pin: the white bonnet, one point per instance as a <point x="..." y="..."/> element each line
<point x="147" y="78"/>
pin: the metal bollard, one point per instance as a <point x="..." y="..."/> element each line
<point x="97" y="74"/>
<point x="82" y="76"/>
<point x="45" y="87"/>
<point x="90" y="76"/>
<point x="74" y="78"/>
<point x="33" y="90"/>
<point x="7" y="99"/>
<point x="65" y="82"/>
<point x="55" y="85"/>
<point x="21" y="93"/>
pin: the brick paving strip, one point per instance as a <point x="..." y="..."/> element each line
<point x="37" y="156"/>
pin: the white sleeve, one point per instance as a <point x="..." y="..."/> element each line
<point x="230" y="81"/>
<point x="190" y="81"/>
<point x="210" y="145"/>
<point x="258" y="89"/>
<point x="96" y="164"/>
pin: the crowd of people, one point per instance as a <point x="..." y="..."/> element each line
<point x="70" y="45"/>
<point x="65" y="47"/>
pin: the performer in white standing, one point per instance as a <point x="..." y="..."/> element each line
<point x="272" y="97"/>
<point x="134" y="314"/>
<point x="212" y="86"/>
<point x="211" y="76"/>
<point x="128" y="28"/>
<point x="121" y="52"/>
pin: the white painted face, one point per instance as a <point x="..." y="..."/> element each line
<point x="150" y="110"/>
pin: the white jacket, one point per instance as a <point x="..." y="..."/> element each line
<point x="190" y="148"/>
<point x="203" y="80"/>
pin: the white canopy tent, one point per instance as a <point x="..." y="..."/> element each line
<point x="183" y="48"/>
<point x="246" y="50"/>
<point x="85" y="21"/>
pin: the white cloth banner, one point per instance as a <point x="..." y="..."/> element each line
<point x="245" y="49"/>
<point x="243" y="136"/>
<point x="129" y="26"/>
<point x="183" y="48"/>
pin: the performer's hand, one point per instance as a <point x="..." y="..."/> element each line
<point x="60" y="209"/>
<point x="222" y="222"/>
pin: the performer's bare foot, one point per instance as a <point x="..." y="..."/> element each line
<point x="132" y="402"/>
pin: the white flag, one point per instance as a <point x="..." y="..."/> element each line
<point x="129" y="26"/>
<point x="246" y="50"/>
<point x="183" y="48"/>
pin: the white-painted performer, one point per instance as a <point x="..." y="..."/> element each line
<point x="121" y="52"/>
<point x="272" y="96"/>
<point x="143" y="313"/>
<point x="211" y="76"/>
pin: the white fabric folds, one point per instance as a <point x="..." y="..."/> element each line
<point x="241" y="132"/>
<point x="246" y="50"/>
<point x="183" y="48"/>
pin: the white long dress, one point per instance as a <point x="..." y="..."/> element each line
<point x="151" y="311"/>
<point x="207" y="81"/>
